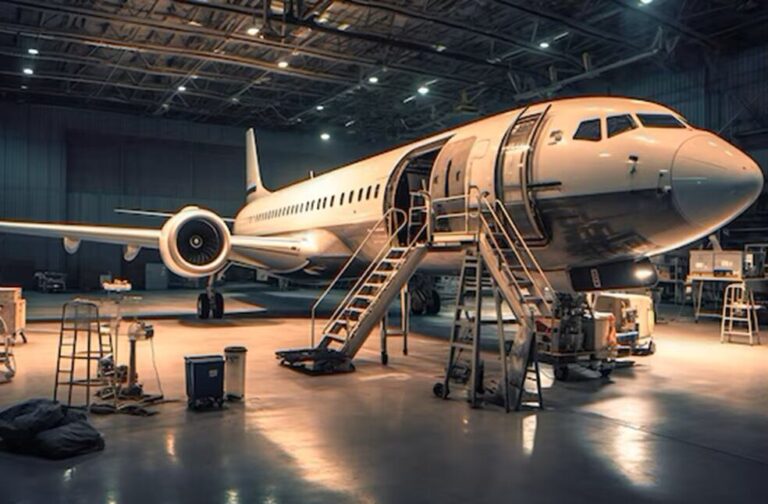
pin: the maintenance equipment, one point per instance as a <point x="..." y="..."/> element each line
<point x="739" y="314"/>
<point x="205" y="381"/>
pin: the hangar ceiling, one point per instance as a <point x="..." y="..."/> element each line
<point x="372" y="68"/>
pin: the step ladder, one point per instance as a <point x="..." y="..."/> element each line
<point x="84" y="353"/>
<point x="503" y="264"/>
<point x="363" y="307"/>
<point x="739" y="314"/>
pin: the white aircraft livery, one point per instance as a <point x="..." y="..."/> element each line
<point x="594" y="185"/>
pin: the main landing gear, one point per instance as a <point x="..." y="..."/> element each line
<point x="424" y="298"/>
<point x="210" y="304"/>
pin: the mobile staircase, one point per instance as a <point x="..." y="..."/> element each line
<point x="499" y="262"/>
<point x="367" y="301"/>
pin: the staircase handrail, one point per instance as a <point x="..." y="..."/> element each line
<point x="387" y="218"/>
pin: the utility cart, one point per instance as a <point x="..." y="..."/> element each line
<point x="577" y="336"/>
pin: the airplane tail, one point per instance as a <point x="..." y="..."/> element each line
<point x="254" y="186"/>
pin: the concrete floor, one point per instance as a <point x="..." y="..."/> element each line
<point x="685" y="425"/>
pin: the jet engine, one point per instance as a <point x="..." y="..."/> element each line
<point x="195" y="243"/>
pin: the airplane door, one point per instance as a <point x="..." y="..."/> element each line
<point x="449" y="175"/>
<point x="515" y="174"/>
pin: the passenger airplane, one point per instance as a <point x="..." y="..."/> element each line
<point x="595" y="184"/>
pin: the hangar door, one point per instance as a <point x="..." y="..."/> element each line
<point x="515" y="174"/>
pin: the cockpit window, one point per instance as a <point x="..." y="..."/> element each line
<point x="619" y="124"/>
<point x="660" y="121"/>
<point x="588" y="130"/>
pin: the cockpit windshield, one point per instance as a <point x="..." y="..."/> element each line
<point x="660" y="121"/>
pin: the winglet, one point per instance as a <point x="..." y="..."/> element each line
<point x="255" y="187"/>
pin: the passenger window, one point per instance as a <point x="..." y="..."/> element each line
<point x="332" y="198"/>
<point x="619" y="124"/>
<point x="660" y="121"/>
<point x="376" y="192"/>
<point x="360" y="194"/>
<point x="341" y="200"/>
<point x="325" y="201"/>
<point x="351" y="196"/>
<point x="588" y="130"/>
<point x="368" y="193"/>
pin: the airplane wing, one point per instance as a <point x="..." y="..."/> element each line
<point x="143" y="237"/>
<point x="259" y="250"/>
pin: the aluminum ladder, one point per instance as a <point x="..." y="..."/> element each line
<point x="83" y="339"/>
<point x="739" y="314"/>
<point x="506" y="267"/>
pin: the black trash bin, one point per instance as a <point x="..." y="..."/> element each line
<point x="205" y="381"/>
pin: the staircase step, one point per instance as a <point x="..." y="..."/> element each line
<point x="463" y="346"/>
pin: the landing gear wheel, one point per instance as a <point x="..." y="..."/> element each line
<point x="203" y="306"/>
<point x="217" y="310"/>
<point x="433" y="303"/>
<point x="418" y="305"/>
<point x="561" y="373"/>
<point x="439" y="390"/>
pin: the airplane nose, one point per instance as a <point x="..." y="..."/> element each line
<point x="713" y="181"/>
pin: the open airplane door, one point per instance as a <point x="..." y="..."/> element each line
<point x="516" y="175"/>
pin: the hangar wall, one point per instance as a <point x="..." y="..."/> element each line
<point x="60" y="164"/>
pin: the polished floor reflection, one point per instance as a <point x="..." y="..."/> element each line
<point x="685" y="425"/>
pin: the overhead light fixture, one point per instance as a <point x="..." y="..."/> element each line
<point x="325" y="137"/>
<point x="544" y="44"/>
<point x="193" y="76"/>
<point x="24" y="87"/>
<point x="373" y="79"/>
<point x="344" y="26"/>
<point x="410" y="98"/>
<point x="181" y="89"/>
<point x="644" y="273"/>
<point x="645" y="2"/>
<point x="423" y="90"/>
<point x="253" y="30"/>
<point x="349" y="123"/>
<point x="282" y="64"/>
<point x="193" y="23"/>
<point x="166" y="106"/>
<point x="28" y="71"/>
<point x="320" y="107"/>
<point x="440" y="48"/>
<point x="235" y="99"/>
<point x="33" y="51"/>
<point x="322" y="19"/>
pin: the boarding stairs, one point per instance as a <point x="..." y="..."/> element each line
<point x="366" y="303"/>
<point x="501" y="264"/>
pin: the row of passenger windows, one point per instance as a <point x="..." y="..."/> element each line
<point x="320" y="203"/>
<point x="616" y="124"/>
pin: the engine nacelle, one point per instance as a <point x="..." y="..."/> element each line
<point x="195" y="243"/>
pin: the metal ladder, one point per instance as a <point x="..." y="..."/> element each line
<point x="503" y="264"/>
<point x="739" y="314"/>
<point x="81" y="324"/>
<point x="364" y="305"/>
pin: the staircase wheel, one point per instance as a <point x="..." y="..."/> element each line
<point x="217" y="309"/>
<point x="203" y="306"/>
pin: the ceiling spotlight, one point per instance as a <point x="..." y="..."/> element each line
<point x="423" y="90"/>
<point x="320" y="107"/>
<point x="440" y="48"/>
<point x="24" y="87"/>
<point x="373" y="79"/>
<point x="28" y="71"/>
<point x="344" y="26"/>
<point x="349" y="123"/>
<point x="322" y="19"/>
<point x="181" y="89"/>
<point x="544" y="44"/>
<point x="253" y="30"/>
<point x="282" y="64"/>
<point x="325" y="137"/>
<point x="33" y="51"/>
<point x="235" y="99"/>
<point x="193" y="23"/>
<point x="193" y="76"/>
